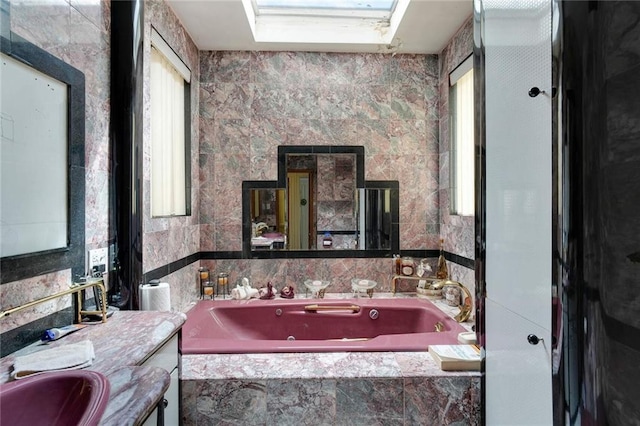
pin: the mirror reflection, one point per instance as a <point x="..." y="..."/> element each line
<point x="321" y="202"/>
<point x="274" y="226"/>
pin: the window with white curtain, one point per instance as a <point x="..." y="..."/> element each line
<point x="462" y="176"/>
<point x="170" y="144"/>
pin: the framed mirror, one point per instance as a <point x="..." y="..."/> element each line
<point x="43" y="175"/>
<point x="321" y="206"/>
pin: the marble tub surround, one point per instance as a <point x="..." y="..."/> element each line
<point x="135" y="392"/>
<point x="353" y="388"/>
<point x="335" y="388"/>
<point x="127" y="339"/>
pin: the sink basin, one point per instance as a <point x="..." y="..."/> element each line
<point x="73" y="397"/>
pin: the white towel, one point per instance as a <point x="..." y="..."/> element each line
<point x="66" y="357"/>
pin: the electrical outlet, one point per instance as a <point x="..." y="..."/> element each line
<point x="98" y="257"/>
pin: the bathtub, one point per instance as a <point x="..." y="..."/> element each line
<point x="332" y="325"/>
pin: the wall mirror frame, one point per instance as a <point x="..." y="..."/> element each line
<point x="249" y="189"/>
<point x="72" y="256"/>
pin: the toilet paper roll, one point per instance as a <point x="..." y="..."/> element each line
<point x="155" y="297"/>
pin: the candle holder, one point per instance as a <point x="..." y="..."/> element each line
<point x="222" y="284"/>
<point x="206" y="287"/>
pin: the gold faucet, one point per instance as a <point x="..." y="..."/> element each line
<point x="437" y="284"/>
<point x="77" y="289"/>
<point x="465" y="308"/>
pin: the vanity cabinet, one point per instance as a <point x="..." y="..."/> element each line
<point x="166" y="357"/>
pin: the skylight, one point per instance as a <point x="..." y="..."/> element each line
<point x="381" y="9"/>
<point x="325" y="21"/>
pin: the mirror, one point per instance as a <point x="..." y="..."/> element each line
<point x="43" y="179"/>
<point x="320" y="203"/>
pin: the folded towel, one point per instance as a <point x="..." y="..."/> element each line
<point x="244" y="291"/>
<point x="67" y="357"/>
<point x="239" y="293"/>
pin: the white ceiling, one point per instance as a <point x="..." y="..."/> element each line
<point x="427" y="26"/>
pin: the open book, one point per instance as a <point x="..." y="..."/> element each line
<point x="456" y="357"/>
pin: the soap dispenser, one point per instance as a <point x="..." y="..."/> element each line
<point x="442" y="272"/>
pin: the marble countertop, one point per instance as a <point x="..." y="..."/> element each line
<point x="121" y="345"/>
<point x="135" y="392"/>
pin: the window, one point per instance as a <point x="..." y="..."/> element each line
<point x="170" y="132"/>
<point x="462" y="176"/>
<point x="325" y="21"/>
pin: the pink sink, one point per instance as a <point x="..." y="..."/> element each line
<point x="74" y="397"/>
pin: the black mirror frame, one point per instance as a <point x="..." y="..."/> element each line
<point x="281" y="183"/>
<point x="72" y="257"/>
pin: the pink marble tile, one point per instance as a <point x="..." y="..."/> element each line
<point x="380" y="167"/>
<point x="407" y="137"/>
<point x="308" y="402"/>
<point x="228" y="237"/>
<point x="232" y="136"/>
<point x="439" y="400"/>
<point x="303" y="102"/>
<point x="338" y="68"/>
<point x="337" y="101"/>
<point x="232" y="100"/>
<point x="18" y="293"/>
<point x="266" y="134"/>
<point x="369" y="401"/>
<point x="268" y="101"/>
<point x="271" y="67"/>
<point x="374" y="136"/>
<point x="340" y="272"/>
<point x="300" y="270"/>
<point x="411" y="68"/>
<point x="263" y="167"/>
<point x="372" y="68"/>
<point x="408" y="101"/>
<point x="230" y="67"/>
<point x="44" y="24"/>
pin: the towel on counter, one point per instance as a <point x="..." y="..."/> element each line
<point x="65" y="357"/>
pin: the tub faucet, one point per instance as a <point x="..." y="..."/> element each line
<point x="465" y="308"/>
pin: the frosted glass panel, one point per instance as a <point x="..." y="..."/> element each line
<point x="518" y="156"/>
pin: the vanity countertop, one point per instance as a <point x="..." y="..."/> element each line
<point x="121" y="345"/>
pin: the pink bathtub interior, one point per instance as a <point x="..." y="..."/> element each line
<point x="280" y="325"/>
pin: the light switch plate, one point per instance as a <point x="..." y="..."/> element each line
<point x="98" y="257"/>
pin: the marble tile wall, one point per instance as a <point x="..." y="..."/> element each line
<point x="169" y="239"/>
<point x="396" y="107"/>
<point x="293" y="272"/>
<point x="458" y="232"/>
<point x="78" y="32"/>
<point x="244" y="105"/>
<point x="252" y="102"/>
